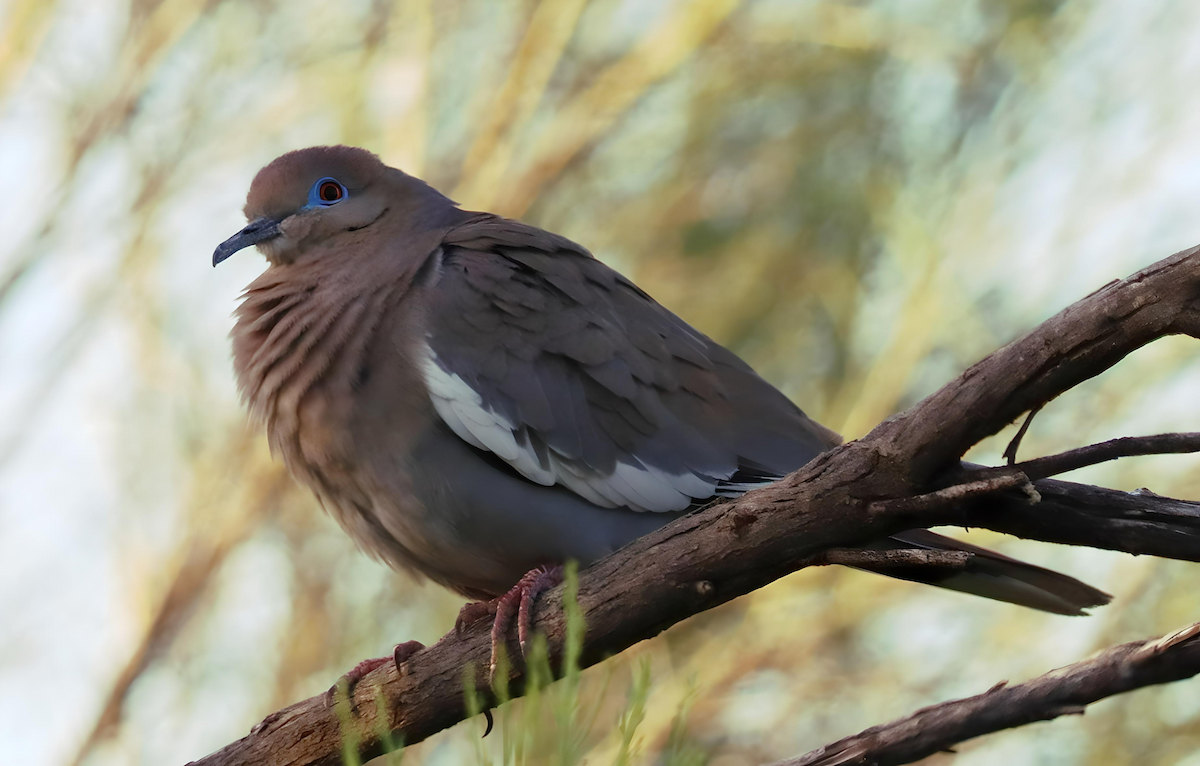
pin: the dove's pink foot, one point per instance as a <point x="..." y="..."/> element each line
<point x="518" y="601"/>
<point x="399" y="656"/>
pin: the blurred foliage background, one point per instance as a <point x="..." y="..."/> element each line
<point x="861" y="198"/>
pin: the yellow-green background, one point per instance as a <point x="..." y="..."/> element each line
<point x="860" y="198"/>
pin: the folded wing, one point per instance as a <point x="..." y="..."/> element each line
<point x="558" y="366"/>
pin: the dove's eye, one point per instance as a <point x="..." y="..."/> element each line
<point x="326" y="192"/>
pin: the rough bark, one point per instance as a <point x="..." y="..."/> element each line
<point x="842" y="499"/>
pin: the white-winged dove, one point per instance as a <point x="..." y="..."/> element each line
<point x="478" y="400"/>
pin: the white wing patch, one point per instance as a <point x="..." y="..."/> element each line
<point x="632" y="484"/>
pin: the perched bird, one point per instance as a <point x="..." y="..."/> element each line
<point x="478" y="400"/>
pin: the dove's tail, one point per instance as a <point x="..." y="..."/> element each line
<point x="994" y="575"/>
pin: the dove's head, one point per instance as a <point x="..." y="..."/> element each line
<point x="311" y="198"/>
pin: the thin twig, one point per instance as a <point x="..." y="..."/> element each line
<point x="1065" y="691"/>
<point x="969" y="479"/>
<point x="1128" y="446"/>
<point x="901" y="557"/>
<point x="997" y="480"/>
<point x="1010" y="452"/>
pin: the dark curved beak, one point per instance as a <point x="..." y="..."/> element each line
<point x="258" y="230"/>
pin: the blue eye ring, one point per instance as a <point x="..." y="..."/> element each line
<point x="327" y="191"/>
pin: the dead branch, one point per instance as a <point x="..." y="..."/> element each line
<point x="1010" y="452"/>
<point x="1066" y="691"/>
<point x="904" y="557"/>
<point x="987" y="483"/>
<point x="1141" y="523"/>
<point x="729" y="549"/>
<point x="1162" y="444"/>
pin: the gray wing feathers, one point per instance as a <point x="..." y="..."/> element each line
<point x="569" y="373"/>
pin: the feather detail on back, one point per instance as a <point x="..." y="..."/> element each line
<point x="571" y="375"/>
<point x="631" y="484"/>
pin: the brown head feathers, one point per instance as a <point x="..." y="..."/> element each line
<point x="282" y="187"/>
<point x="308" y="196"/>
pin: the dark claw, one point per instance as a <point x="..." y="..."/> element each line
<point x="403" y="652"/>
<point x="488" y="715"/>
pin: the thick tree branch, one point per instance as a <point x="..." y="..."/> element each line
<point x="1065" y="691"/>
<point x="729" y="549"/>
